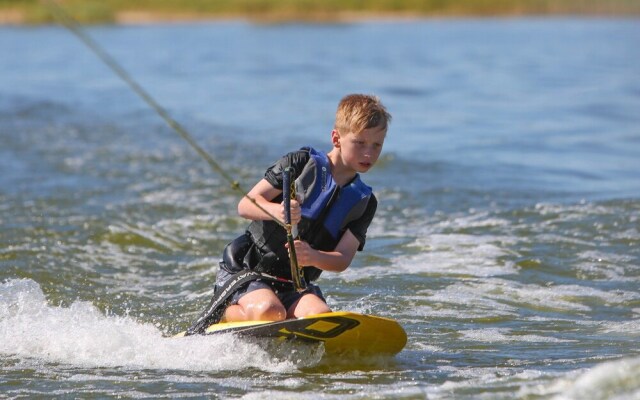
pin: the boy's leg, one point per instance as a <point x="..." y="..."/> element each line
<point x="257" y="305"/>
<point x="308" y="304"/>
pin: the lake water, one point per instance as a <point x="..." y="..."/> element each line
<point x="507" y="240"/>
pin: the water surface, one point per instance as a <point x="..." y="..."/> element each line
<point x="506" y="241"/>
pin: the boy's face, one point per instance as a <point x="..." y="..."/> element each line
<point x="360" y="151"/>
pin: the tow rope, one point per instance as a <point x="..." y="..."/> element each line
<point x="216" y="308"/>
<point x="74" y="26"/>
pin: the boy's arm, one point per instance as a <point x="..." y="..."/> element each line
<point x="336" y="261"/>
<point x="263" y="193"/>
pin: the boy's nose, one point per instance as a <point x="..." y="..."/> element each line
<point x="369" y="151"/>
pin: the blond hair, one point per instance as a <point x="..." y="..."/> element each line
<point x="357" y="112"/>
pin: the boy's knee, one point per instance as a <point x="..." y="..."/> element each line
<point x="267" y="311"/>
<point x="309" y="304"/>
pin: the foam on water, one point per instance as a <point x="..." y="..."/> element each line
<point x="459" y="254"/>
<point x="354" y="391"/>
<point x="503" y="335"/>
<point x="475" y="260"/>
<point x="610" y="380"/>
<point x="444" y="254"/>
<point x="81" y="335"/>
<point x="451" y="302"/>
<point x="613" y="380"/>
<point x="628" y="328"/>
<point x="599" y="265"/>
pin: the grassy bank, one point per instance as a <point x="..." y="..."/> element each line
<point x="101" y="11"/>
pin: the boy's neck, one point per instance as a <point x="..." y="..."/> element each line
<point x="341" y="173"/>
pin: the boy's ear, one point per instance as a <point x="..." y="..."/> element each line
<point x="335" y="138"/>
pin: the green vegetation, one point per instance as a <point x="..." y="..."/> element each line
<point x="88" y="11"/>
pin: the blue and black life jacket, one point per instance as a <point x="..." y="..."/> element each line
<point x="323" y="201"/>
<point x="327" y="209"/>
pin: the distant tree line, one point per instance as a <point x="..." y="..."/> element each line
<point x="106" y="11"/>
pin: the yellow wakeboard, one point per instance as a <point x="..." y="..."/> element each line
<point x="340" y="332"/>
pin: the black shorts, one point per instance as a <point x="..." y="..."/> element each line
<point x="287" y="297"/>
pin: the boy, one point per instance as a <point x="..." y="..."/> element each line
<point x="333" y="211"/>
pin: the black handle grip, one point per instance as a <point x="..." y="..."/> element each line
<point x="286" y="194"/>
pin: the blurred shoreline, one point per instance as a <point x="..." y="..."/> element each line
<point x="27" y="12"/>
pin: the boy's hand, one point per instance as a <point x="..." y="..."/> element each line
<point x="304" y="253"/>
<point x="296" y="212"/>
